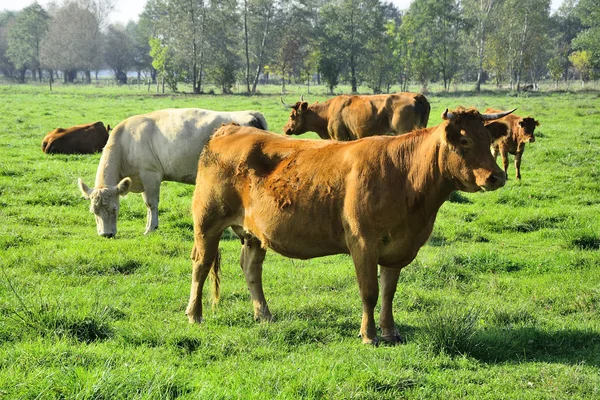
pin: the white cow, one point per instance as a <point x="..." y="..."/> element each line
<point x="145" y="150"/>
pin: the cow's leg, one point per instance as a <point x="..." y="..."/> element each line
<point x="204" y="256"/>
<point x="365" y="265"/>
<point x="251" y="261"/>
<point x="518" y="156"/>
<point x="504" y="154"/>
<point x="494" y="150"/>
<point x="151" y="195"/>
<point x="389" y="281"/>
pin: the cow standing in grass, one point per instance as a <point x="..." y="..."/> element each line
<point x="79" y="139"/>
<point x="353" y="117"/>
<point x="145" y="150"/>
<point x="520" y="132"/>
<point x="375" y="199"/>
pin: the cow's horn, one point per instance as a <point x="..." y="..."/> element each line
<point x="447" y="115"/>
<point x="301" y="98"/>
<point x="285" y="104"/>
<point x="489" y="117"/>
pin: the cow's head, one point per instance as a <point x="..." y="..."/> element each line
<point x="468" y="159"/>
<point x="528" y="125"/>
<point x="296" y="125"/>
<point x="105" y="204"/>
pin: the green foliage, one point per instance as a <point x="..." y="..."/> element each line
<point x="25" y="37"/>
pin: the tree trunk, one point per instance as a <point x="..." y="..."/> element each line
<point x="262" y="49"/>
<point x="246" y="46"/>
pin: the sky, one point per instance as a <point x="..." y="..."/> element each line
<point x="127" y="10"/>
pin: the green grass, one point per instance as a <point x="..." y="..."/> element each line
<point x="504" y="300"/>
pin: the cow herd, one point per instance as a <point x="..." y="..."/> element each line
<point x="375" y="198"/>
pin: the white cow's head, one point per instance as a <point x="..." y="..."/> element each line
<point x="105" y="204"/>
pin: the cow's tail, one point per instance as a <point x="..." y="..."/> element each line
<point x="259" y="121"/>
<point x="422" y="109"/>
<point x="216" y="279"/>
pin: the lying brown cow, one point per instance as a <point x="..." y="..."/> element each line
<point x="520" y="132"/>
<point x="354" y="117"/>
<point x="80" y="139"/>
<point x="375" y="199"/>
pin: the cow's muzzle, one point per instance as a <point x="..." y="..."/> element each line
<point x="494" y="181"/>
<point x="107" y="235"/>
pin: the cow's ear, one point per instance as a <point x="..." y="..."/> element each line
<point x="452" y="135"/>
<point x="85" y="190"/>
<point x="497" y="129"/>
<point x="537" y="123"/>
<point x="303" y="106"/>
<point x="124" y="186"/>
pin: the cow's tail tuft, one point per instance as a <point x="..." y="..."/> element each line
<point x="422" y="108"/>
<point x="216" y="279"/>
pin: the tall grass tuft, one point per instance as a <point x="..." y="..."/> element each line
<point x="450" y="329"/>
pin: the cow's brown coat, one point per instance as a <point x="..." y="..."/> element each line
<point x="375" y="199"/>
<point x="521" y="131"/>
<point x="80" y="139"/>
<point x="353" y="117"/>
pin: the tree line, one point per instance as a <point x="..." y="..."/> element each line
<point x="357" y="42"/>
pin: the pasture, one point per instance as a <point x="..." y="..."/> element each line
<point x="503" y="301"/>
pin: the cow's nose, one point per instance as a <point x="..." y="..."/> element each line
<point x="532" y="140"/>
<point x="495" y="181"/>
<point x="108" y="235"/>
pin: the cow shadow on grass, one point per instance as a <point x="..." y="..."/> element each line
<point x="568" y="346"/>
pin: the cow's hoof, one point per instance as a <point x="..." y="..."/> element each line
<point x="192" y="319"/>
<point x="392" y="339"/>
<point x="374" y="341"/>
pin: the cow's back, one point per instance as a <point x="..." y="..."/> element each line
<point x="80" y="139"/>
<point x="170" y="141"/>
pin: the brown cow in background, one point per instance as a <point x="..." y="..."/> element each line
<point x="348" y="117"/>
<point x="80" y="139"/>
<point x="375" y="199"/>
<point x="520" y="132"/>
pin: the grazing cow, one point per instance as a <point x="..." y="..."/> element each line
<point x="520" y="132"/>
<point x="375" y="199"/>
<point x="80" y="139"/>
<point x="145" y="150"/>
<point x="354" y="117"/>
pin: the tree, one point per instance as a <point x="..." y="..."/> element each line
<point x="73" y="42"/>
<point x="222" y="41"/>
<point x="25" y="38"/>
<point x="582" y="61"/>
<point x="7" y="20"/>
<point x="258" y="17"/>
<point x="589" y="39"/>
<point x="141" y="49"/>
<point x="481" y="14"/>
<point x="119" y="51"/>
<point x="419" y="43"/>
<point x="565" y="25"/>
<point x="294" y="32"/>
<point x="525" y="22"/>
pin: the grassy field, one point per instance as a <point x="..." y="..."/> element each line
<point x="503" y="302"/>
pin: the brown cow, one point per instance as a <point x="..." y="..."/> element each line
<point x="520" y="132"/>
<point x="80" y="139"/>
<point x="375" y="199"/>
<point x="353" y="117"/>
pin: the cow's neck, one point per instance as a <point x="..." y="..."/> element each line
<point x="108" y="173"/>
<point x="421" y="157"/>
<point x="319" y="118"/>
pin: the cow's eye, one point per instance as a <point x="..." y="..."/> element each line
<point x="465" y="142"/>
